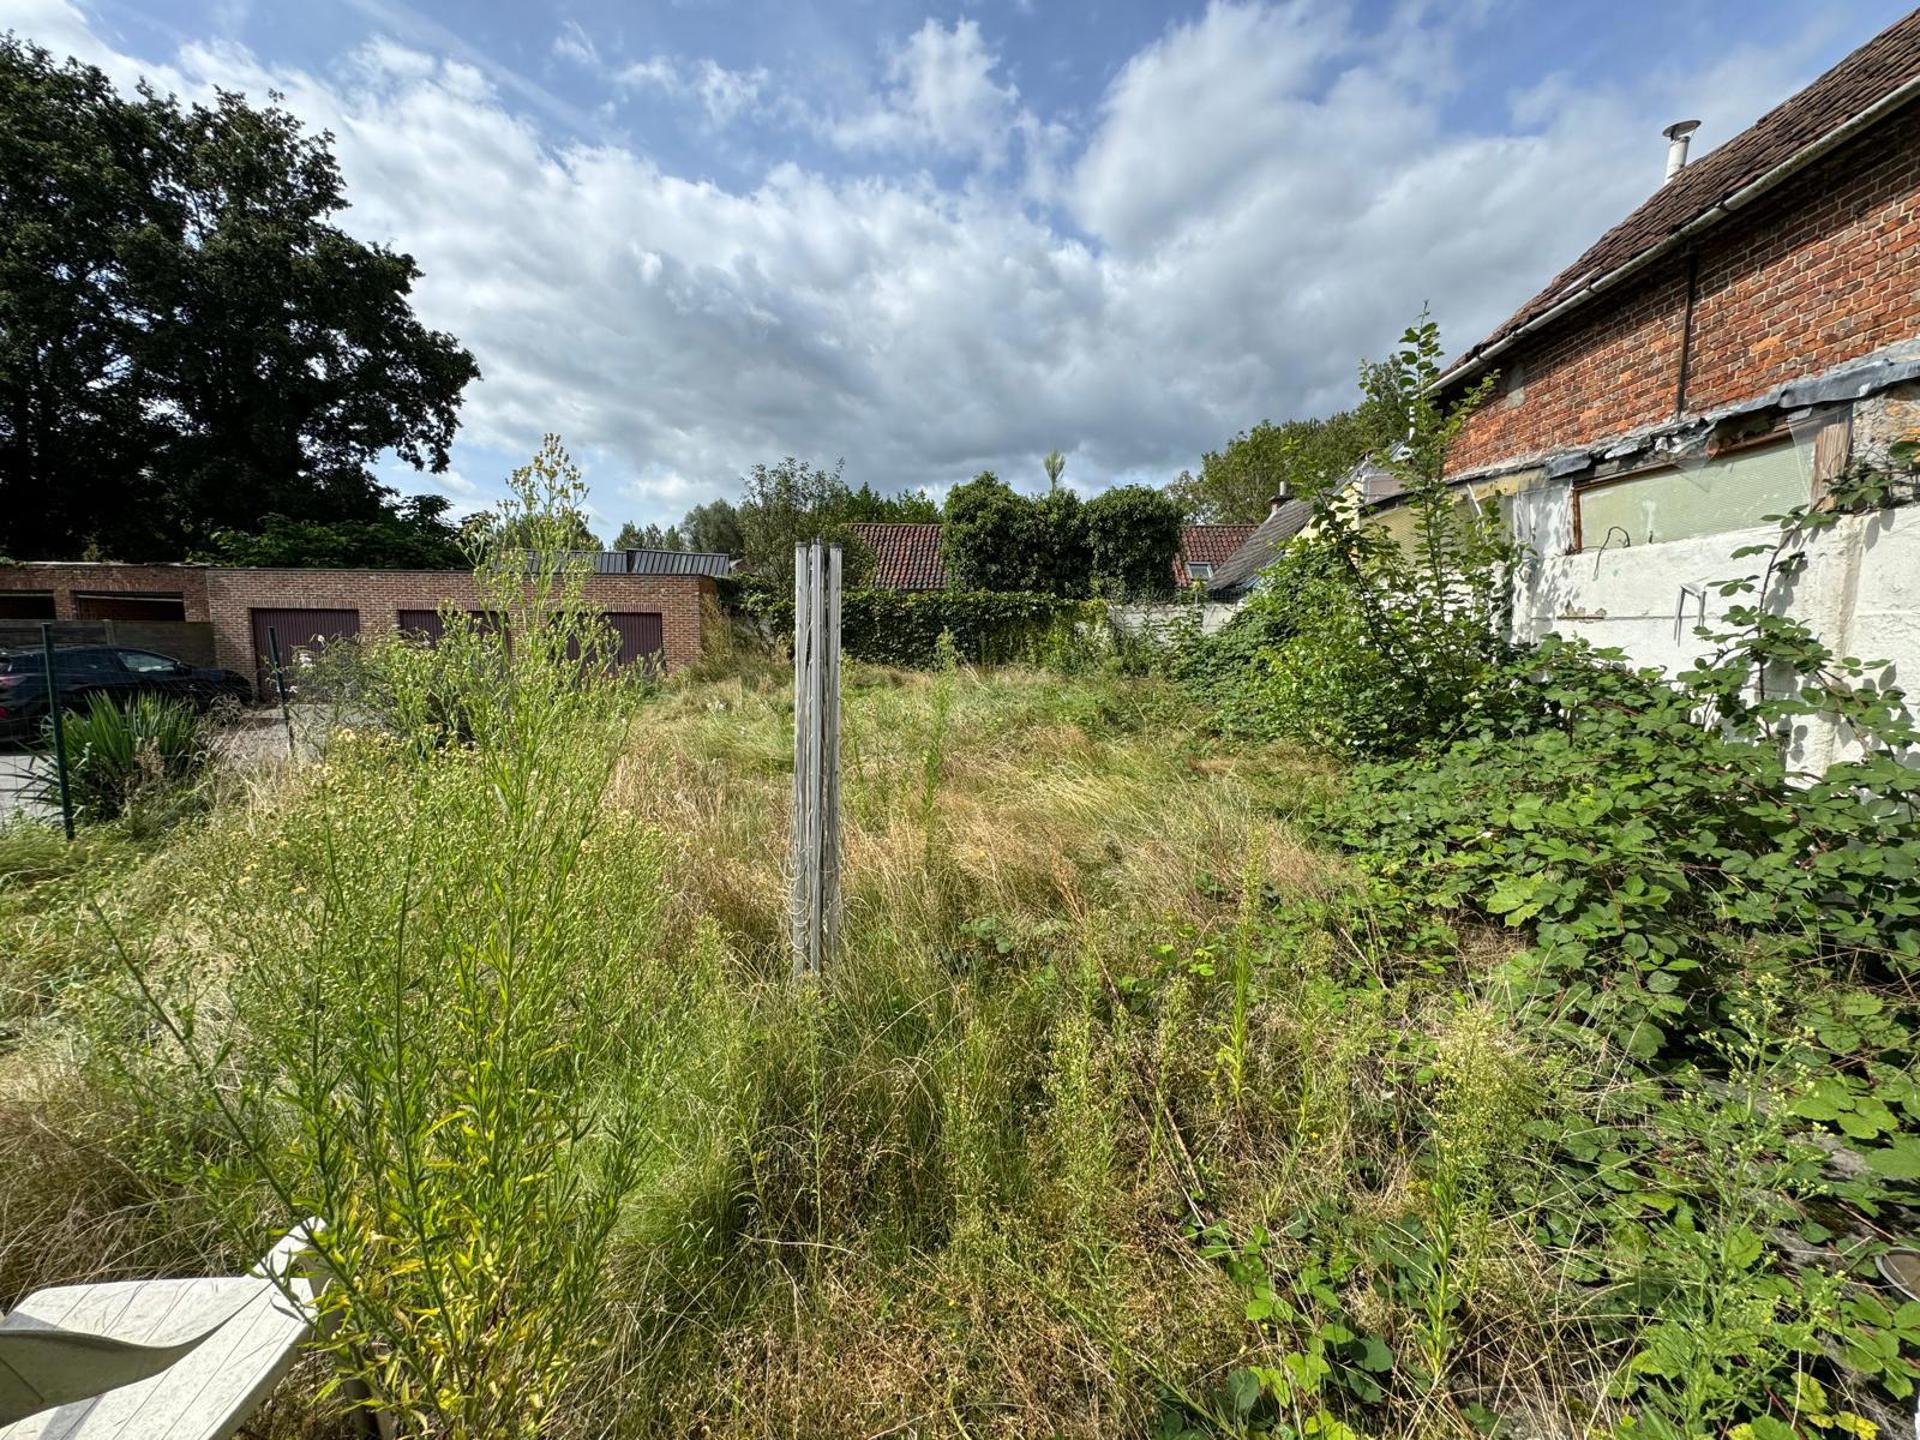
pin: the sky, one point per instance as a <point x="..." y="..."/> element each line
<point x="692" y="235"/>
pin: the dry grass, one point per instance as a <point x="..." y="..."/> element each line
<point x="950" y="1192"/>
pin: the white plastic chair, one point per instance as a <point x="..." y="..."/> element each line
<point x="154" y="1359"/>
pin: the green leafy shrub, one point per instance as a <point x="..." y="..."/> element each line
<point x="1133" y="534"/>
<point x="901" y="627"/>
<point x="996" y="539"/>
<point x="1357" y="643"/>
<point x="122" y="757"/>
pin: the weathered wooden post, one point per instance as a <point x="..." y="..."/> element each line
<point x="815" y="910"/>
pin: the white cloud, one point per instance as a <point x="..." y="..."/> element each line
<point x="941" y="95"/>
<point x="573" y="43"/>
<point x="723" y="94"/>
<point x="1264" y="197"/>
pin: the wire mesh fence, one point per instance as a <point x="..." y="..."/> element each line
<point x="19" y="784"/>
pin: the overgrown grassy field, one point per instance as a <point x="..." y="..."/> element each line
<point x="1125" y="1110"/>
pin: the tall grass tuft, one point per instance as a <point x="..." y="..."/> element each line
<point x="441" y="1034"/>
<point x="121" y="758"/>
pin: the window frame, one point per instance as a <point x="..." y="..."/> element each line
<point x="1778" y="435"/>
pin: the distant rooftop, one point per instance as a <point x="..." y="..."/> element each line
<point x="660" y="562"/>
<point x="906" y="555"/>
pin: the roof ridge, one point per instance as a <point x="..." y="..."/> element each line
<point x="1872" y="74"/>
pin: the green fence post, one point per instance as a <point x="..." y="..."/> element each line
<point x="280" y="683"/>
<point x="59" y="730"/>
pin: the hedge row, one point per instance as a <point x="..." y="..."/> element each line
<point x="896" y="627"/>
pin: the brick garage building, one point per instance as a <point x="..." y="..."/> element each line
<point x="216" y="615"/>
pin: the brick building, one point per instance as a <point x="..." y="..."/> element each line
<point x="1755" y="299"/>
<point x="1751" y="331"/>
<point x="218" y="615"/>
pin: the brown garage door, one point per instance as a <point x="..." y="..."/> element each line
<point x="641" y="638"/>
<point x="297" y="631"/>
<point x="430" y="625"/>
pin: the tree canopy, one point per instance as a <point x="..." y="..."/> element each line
<point x="648" y="537"/>
<point x="791" y="503"/>
<point x="714" y="527"/>
<point x="187" y="345"/>
<point x="414" y="535"/>
<point x="997" y="538"/>
<point x="1236" y="484"/>
<point x="994" y="538"/>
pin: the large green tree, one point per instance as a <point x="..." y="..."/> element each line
<point x="998" y="539"/>
<point x="1236" y="483"/>
<point x="789" y="504"/>
<point x="713" y="527"/>
<point x="414" y="535"/>
<point x="187" y="345"/>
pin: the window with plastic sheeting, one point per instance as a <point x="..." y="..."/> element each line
<point x="1729" y="492"/>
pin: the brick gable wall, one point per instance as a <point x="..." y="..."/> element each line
<point x="1824" y="271"/>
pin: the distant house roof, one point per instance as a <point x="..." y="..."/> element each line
<point x="906" y="556"/>
<point x="1237" y="575"/>
<point x="1880" y="75"/>
<point x="1207" y="545"/>
<point x="1234" y="576"/>
<point x="661" y="562"/>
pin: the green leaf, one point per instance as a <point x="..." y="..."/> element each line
<point x="1898" y="1161"/>
<point x="1741" y="1248"/>
<point x="1243" y="1391"/>
<point x="1374" y="1354"/>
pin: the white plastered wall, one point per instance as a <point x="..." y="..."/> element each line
<point x="1859" y="592"/>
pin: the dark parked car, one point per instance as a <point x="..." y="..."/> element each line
<point x="83" y="671"/>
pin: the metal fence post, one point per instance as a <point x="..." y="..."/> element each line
<point x="58" y="716"/>
<point x="280" y="684"/>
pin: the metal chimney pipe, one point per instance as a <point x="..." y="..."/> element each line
<point x="1677" y="134"/>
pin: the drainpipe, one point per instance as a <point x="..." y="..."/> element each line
<point x="1686" y="335"/>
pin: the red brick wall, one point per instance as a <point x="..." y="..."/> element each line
<point x="188" y="581"/>
<point x="1823" y="271"/>
<point x="379" y="596"/>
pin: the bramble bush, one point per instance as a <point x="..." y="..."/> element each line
<point x="904" y="628"/>
<point x="1719" y="953"/>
